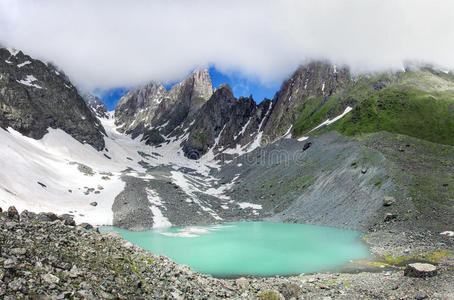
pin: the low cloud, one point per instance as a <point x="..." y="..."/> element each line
<point x="110" y="43"/>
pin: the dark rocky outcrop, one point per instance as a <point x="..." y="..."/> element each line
<point x="35" y="96"/>
<point x="224" y="122"/>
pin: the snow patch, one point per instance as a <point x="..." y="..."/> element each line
<point x="327" y="122"/>
<point x="24" y="64"/>
<point x="448" y="233"/>
<point x="244" y="205"/>
<point x="159" y="221"/>
<point x="288" y="134"/>
<point x="12" y="51"/>
<point x="28" y="81"/>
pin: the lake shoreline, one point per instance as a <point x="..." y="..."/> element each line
<point x="57" y="260"/>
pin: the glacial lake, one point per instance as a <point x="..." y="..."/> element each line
<point x="253" y="248"/>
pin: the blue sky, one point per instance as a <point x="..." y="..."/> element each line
<point x="241" y="86"/>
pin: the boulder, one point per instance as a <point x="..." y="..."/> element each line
<point x="50" y="279"/>
<point x="388" y="201"/>
<point x="389" y="217"/>
<point x="86" y="226"/>
<point x="363" y="170"/>
<point x="307" y="146"/>
<point x="27" y="215"/>
<point x="12" y="213"/>
<point x="48" y="216"/>
<point x="68" y="219"/>
<point x="10" y="263"/>
<point x="94" y="203"/>
<point x="420" y="270"/>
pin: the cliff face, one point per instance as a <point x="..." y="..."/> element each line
<point x="35" y="96"/>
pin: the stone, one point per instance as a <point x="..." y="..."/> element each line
<point x="12" y="213"/>
<point x="242" y="283"/>
<point x="68" y="220"/>
<point x="390" y="217"/>
<point x="51" y="216"/>
<point x="18" y="251"/>
<point x="17" y="284"/>
<point x="420" y="270"/>
<point x="388" y="201"/>
<point x="363" y="170"/>
<point x="94" y="203"/>
<point x="307" y="146"/>
<point x="10" y="263"/>
<point x="25" y="214"/>
<point x="50" y="279"/>
<point x="86" y="226"/>
<point x="74" y="272"/>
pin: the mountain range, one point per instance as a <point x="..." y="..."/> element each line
<point x="326" y="149"/>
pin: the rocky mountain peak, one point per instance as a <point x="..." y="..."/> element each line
<point x="35" y="96"/>
<point x="153" y="111"/>
<point x="315" y="80"/>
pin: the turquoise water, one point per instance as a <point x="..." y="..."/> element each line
<point x="253" y="248"/>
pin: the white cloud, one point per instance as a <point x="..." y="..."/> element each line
<point x="108" y="43"/>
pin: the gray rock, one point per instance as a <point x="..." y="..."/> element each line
<point x="388" y="201"/>
<point x="68" y="219"/>
<point x="75" y="272"/>
<point x="17" y="284"/>
<point x="94" y="203"/>
<point x="10" y="263"/>
<point x="12" y="213"/>
<point x="48" y="216"/>
<point x="18" y="251"/>
<point x="50" y="278"/>
<point x="390" y="217"/>
<point x="420" y="270"/>
<point x="86" y="226"/>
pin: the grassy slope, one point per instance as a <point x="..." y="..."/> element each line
<point x="415" y="103"/>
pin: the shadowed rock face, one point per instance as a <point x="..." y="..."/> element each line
<point x="35" y="96"/>
<point x="224" y="122"/>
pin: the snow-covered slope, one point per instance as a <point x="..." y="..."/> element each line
<point x="62" y="175"/>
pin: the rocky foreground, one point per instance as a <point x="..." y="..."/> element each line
<point x="48" y="257"/>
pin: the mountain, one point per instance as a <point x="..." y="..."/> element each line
<point x="316" y="94"/>
<point x="36" y="96"/>
<point x="153" y="111"/>
<point x="95" y="104"/>
<point x="224" y="124"/>
<point x="309" y="88"/>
